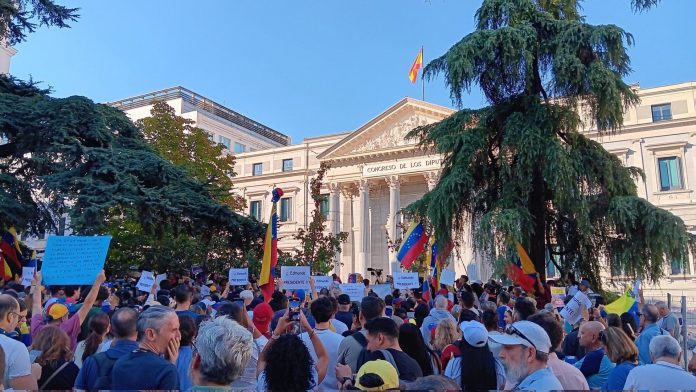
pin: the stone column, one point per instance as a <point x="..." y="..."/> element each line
<point x="348" y="193"/>
<point x="432" y="177"/>
<point x="335" y="216"/>
<point x="394" y="208"/>
<point x="364" y="216"/>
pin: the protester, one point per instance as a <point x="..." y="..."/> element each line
<point x="336" y="326"/>
<point x="571" y="343"/>
<point x="420" y="312"/>
<point x="438" y="313"/>
<point x="223" y="347"/>
<point x="668" y="321"/>
<point x="17" y="367"/>
<point x="183" y="297"/>
<point x="96" y="308"/>
<point x="383" y="343"/>
<point x="57" y="313"/>
<point x="344" y="314"/>
<point x="322" y="310"/>
<point x="468" y="303"/>
<point x="620" y="350"/>
<point x="234" y="311"/>
<point x="99" y="327"/>
<point x="144" y="368"/>
<point x="377" y="375"/>
<point x="629" y="325"/>
<point x="446" y="333"/>
<point x="649" y="329"/>
<point x="595" y="365"/>
<point x="525" y="353"/>
<point x="353" y="349"/>
<point x="262" y="318"/>
<point x="489" y="319"/>
<point x="665" y="372"/>
<point x="434" y="384"/>
<point x="474" y="367"/>
<point x="58" y="371"/>
<point x="187" y="329"/>
<point x="568" y="375"/>
<point x="286" y="364"/>
<point x="412" y="343"/>
<point x="96" y="370"/>
<point x="503" y="302"/>
<point x="524" y="307"/>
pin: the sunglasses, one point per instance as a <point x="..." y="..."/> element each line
<point x="511" y="330"/>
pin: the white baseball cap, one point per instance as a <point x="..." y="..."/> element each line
<point x="474" y="332"/>
<point x="525" y="333"/>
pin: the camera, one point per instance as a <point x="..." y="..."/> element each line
<point x="375" y="271"/>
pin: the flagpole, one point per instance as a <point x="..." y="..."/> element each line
<point x="422" y="79"/>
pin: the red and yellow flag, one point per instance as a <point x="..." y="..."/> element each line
<point x="417" y="64"/>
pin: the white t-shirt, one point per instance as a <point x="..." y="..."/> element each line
<point x="331" y="341"/>
<point x="339" y="326"/>
<point x="659" y="376"/>
<point x="17" y="362"/>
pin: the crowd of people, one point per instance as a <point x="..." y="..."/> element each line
<point x="195" y="333"/>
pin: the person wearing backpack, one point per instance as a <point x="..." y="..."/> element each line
<point x="383" y="343"/>
<point x="353" y="349"/>
<point x="96" y="370"/>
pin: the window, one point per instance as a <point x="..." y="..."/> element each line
<point x="225" y="141"/>
<point x="211" y="136"/>
<point x="324" y="206"/>
<point x="239" y="148"/>
<point x="670" y="173"/>
<point x="285" y="209"/>
<point x="258" y="169"/>
<point x="287" y="165"/>
<point x="661" y="112"/>
<point x="255" y="210"/>
<point x="679" y="268"/>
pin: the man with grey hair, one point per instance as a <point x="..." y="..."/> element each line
<point x="144" y="368"/>
<point x="17" y="367"/>
<point x="648" y="321"/>
<point x="438" y="313"/>
<point x="223" y="349"/>
<point x="665" y="372"/>
<point x="668" y="321"/>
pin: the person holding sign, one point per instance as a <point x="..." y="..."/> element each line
<point x="57" y="313"/>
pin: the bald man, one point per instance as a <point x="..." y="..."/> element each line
<point x="595" y="365"/>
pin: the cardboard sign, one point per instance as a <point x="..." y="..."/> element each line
<point x="447" y="277"/>
<point x="557" y="295"/>
<point x="27" y="276"/>
<point x="382" y="290"/>
<point x="205" y="290"/>
<point x="239" y="276"/>
<point x="322" y="282"/>
<point x="406" y="280"/>
<point x="146" y="281"/>
<point x="356" y="291"/>
<point x="295" y="278"/>
<point x="74" y="259"/>
<point x="573" y="310"/>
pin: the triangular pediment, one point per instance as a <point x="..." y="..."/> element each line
<point x="386" y="133"/>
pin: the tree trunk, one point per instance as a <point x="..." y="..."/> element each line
<point x="537" y="208"/>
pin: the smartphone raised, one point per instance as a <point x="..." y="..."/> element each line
<point x="294" y="313"/>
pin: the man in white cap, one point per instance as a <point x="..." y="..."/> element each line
<point x="525" y="354"/>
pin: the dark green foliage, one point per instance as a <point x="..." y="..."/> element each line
<point x="520" y="169"/>
<point x="19" y="17"/>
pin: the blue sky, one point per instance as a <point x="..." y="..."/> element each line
<point x="304" y="68"/>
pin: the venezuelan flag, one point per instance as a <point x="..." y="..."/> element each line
<point x="270" y="249"/>
<point x="425" y="290"/>
<point x="10" y="255"/>
<point x="525" y="261"/>
<point x="417" y="64"/>
<point x="622" y="304"/>
<point x="435" y="265"/>
<point x="413" y="245"/>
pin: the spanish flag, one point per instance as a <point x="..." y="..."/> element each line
<point x="413" y="245"/>
<point x="417" y="64"/>
<point x="270" y="249"/>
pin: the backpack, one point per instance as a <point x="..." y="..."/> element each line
<point x="364" y="354"/>
<point x="104" y="367"/>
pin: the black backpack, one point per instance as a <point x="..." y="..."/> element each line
<point x="104" y="367"/>
<point x="362" y="357"/>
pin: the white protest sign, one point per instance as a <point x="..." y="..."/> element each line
<point x="573" y="310"/>
<point x="295" y="278"/>
<point x="406" y="280"/>
<point x="322" y="282"/>
<point x="160" y="278"/>
<point x="447" y="277"/>
<point x="205" y="290"/>
<point x="146" y="281"/>
<point x="27" y="276"/>
<point x="356" y="291"/>
<point x="382" y="290"/>
<point x="239" y="276"/>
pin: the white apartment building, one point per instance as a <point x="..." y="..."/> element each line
<point x="6" y="54"/>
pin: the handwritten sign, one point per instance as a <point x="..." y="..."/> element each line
<point x="295" y="278"/>
<point x="573" y="310"/>
<point x="322" y="282"/>
<point x="27" y="276"/>
<point x="74" y="259"/>
<point x="356" y="291"/>
<point x="447" y="277"/>
<point x="147" y="279"/>
<point x="557" y="296"/>
<point x="406" y="280"/>
<point x="239" y="276"/>
<point x="382" y="290"/>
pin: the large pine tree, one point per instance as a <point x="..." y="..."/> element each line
<point x="520" y="169"/>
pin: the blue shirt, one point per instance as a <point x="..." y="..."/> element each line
<point x="183" y="363"/>
<point x="140" y="370"/>
<point x="89" y="372"/>
<point x="617" y="377"/>
<point x="541" y="380"/>
<point x="643" y="342"/>
<point x="595" y="366"/>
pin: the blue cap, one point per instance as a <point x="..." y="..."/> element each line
<point x="300" y="294"/>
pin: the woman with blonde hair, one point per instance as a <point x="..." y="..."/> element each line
<point x="58" y="369"/>
<point x="446" y="333"/>
<point x="623" y="352"/>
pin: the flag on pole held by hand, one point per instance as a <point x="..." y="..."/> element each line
<point x="435" y="264"/>
<point x="413" y="245"/>
<point x="417" y="64"/>
<point x="270" y="249"/>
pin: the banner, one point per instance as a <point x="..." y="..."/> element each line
<point x="406" y="280"/>
<point x="447" y="277"/>
<point x="356" y="291"/>
<point x="74" y="259"/>
<point x="146" y="281"/>
<point x="295" y="278"/>
<point x="322" y="282"/>
<point x="239" y="276"/>
<point x="572" y="313"/>
<point x="382" y="290"/>
<point x="27" y="276"/>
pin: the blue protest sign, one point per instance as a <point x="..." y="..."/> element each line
<point x="74" y="259"/>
